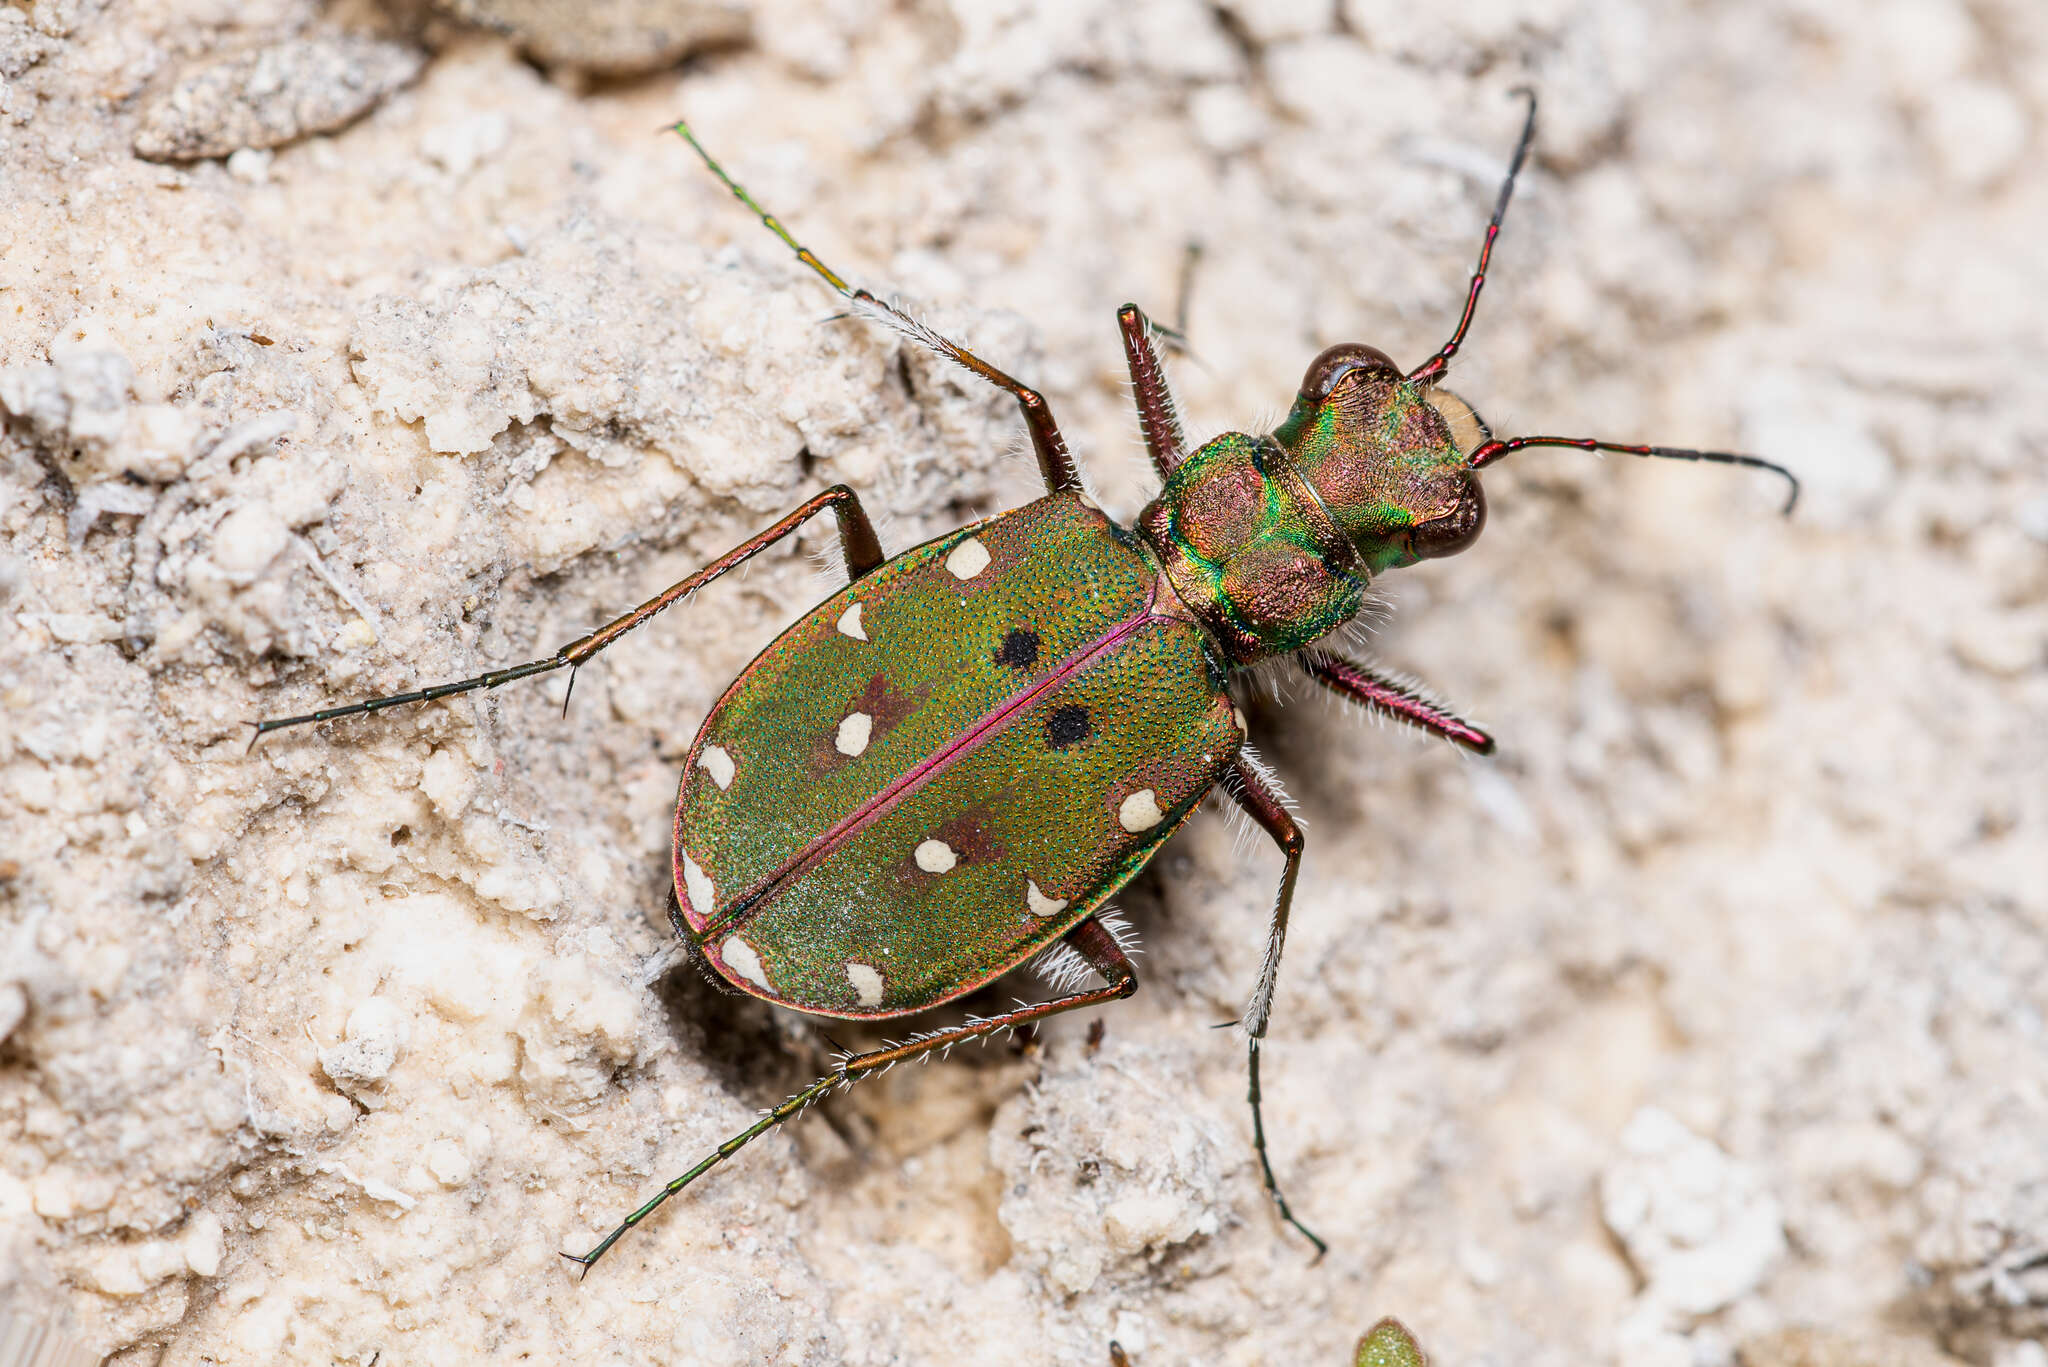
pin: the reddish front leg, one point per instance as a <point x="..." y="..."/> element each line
<point x="1352" y="680"/>
<point x="1158" y="419"/>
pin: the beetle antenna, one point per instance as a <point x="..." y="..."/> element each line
<point x="770" y="221"/>
<point x="1432" y="370"/>
<point x="1494" y="450"/>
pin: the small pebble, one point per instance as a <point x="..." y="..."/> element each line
<point x="375" y="1038"/>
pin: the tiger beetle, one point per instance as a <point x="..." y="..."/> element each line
<point x="951" y="765"/>
<point x="1386" y="1344"/>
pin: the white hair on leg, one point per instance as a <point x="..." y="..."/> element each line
<point x="1268" y="777"/>
<point x="896" y="319"/>
<point x="1120" y="930"/>
<point x="1259" y="1010"/>
<point x="1061" y="968"/>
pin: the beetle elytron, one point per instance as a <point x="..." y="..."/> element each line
<point x="948" y="767"/>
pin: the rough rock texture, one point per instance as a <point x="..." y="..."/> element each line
<point x="1702" y="1024"/>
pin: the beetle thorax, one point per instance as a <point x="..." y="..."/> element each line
<point x="1248" y="545"/>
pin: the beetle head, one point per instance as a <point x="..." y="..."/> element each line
<point x="1383" y="454"/>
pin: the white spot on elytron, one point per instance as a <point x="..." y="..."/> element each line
<point x="936" y="856"/>
<point x="968" y="559"/>
<point x="740" y="957"/>
<point x="1040" y="904"/>
<point x="1237" y="715"/>
<point x="696" y="882"/>
<point x="849" y="624"/>
<point x="715" y="761"/>
<point x="867" y="983"/>
<point x="1140" y="811"/>
<point x="1087" y="502"/>
<point x="854" y="731"/>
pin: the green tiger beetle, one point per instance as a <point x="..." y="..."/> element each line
<point x="1386" y="1344"/>
<point x="948" y="767"/>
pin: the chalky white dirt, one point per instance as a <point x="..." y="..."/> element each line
<point x="1703" y="1024"/>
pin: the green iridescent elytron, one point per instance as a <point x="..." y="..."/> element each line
<point x="948" y="767"/>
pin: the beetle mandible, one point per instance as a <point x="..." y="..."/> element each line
<point x="947" y="768"/>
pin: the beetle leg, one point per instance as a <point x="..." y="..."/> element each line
<point x="1250" y="792"/>
<point x="1158" y="420"/>
<point x="1349" y="679"/>
<point x="1055" y="462"/>
<point x="1090" y="939"/>
<point x="856" y="537"/>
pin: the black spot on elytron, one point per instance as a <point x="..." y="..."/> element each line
<point x="1067" y="725"/>
<point x="1019" y="649"/>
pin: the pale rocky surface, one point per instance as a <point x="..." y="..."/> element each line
<point x="321" y="1052"/>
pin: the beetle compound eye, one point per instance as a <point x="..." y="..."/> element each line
<point x="1353" y="360"/>
<point x="1455" y="530"/>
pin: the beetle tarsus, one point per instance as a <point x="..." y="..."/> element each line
<point x="1266" y="1164"/>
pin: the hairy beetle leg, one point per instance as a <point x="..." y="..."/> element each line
<point x="1402" y="703"/>
<point x="1158" y="419"/>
